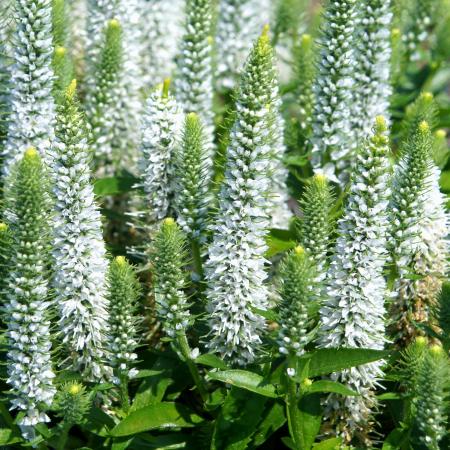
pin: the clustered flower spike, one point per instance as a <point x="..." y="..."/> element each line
<point x="123" y="294"/>
<point x="103" y="100"/>
<point x="193" y="81"/>
<point x="419" y="236"/>
<point x="235" y="268"/>
<point x="373" y="54"/>
<point x="430" y="398"/>
<point x="353" y="312"/>
<point x="32" y="114"/>
<point x="297" y="294"/>
<point x="26" y="311"/>
<point x="191" y="179"/>
<point x="333" y="142"/>
<point x="79" y="251"/>
<point x="315" y="224"/>
<point x="162" y="31"/>
<point x="172" y="305"/>
<point x="239" y="23"/>
<point x="161" y="125"/>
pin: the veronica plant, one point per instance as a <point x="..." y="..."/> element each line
<point x="78" y="248"/>
<point x="32" y="114"/>
<point x="28" y="308"/>
<point x="373" y="55"/>
<point x="419" y="233"/>
<point x="235" y="268"/>
<point x="5" y="255"/>
<point x="161" y="127"/>
<point x="191" y="184"/>
<point x="353" y="312"/>
<point x="333" y="143"/>
<point x="193" y="80"/>
<point x="315" y="225"/>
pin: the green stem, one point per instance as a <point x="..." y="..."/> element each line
<point x="292" y="411"/>
<point x="61" y="445"/>
<point x="197" y="258"/>
<point x="125" y="398"/>
<point x="186" y="352"/>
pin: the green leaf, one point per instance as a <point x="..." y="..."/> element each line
<point x="277" y="246"/>
<point x="268" y="314"/>
<point x="331" y="386"/>
<point x="7" y="437"/>
<point x="389" y="396"/>
<point x="329" y="444"/>
<point x="310" y="418"/>
<point x="121" y="443"/>
<point x="98" y="422"/>
<point x="288" y="442"/>
<point x="159" y="416"/>
<point x="324" y="361"/>
<point x="235" y="425"/>
<point x="274" y="419"/>
<point x="114" y="185"/>
<point x="395" y="439"/>
<point x="211" y="360"/>
<point x="245" y="380"/>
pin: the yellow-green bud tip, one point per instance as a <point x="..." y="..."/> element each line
<point x="421" y="340"/>
<point x="427" y="96"/>
<point x="114" y="23"/>
<point x="169" y="221"/>
<point x="306" y="39"/>
<point x="166" y="87"/>
<point x="71" y="89"/>
<point x="436" y="350"/>
<point x="441" y="134"/>
<point x="210" y="40"/>
<point x="307" y="382"/>
<point x="380" y="123"/>
<point x="320" y="178"/>
<point x="265" y="31"/>
<point x="75" y="388"/>
<point x="396" y="32"/>
<point x="299" y="250"/>
<point x="3" y="227"/>
<point x="120" y="260"/>
<point x="60" y="51"/>
<point x="424" y="127"/>
<point x="31" y="152"/>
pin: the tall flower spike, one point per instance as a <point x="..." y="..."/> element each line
<point x="239" y="22"/>
<point x="315" y="224"/>
<point x="104" y="103"/>
<point x="78" y="248"/>
<point x="193" y="80"/>
<point x="353" y="312"/>
<point x="191" y="180"/>
<point x="373" y="54"/>
<point x="235" y="268"/>
<point x="27" y="306"/>
<point x="162" y="31"/>
<point x="419" y="237"/>
<point x="423" y="108"/>
<point x="333" y="143"/>
<point x="297" y="294"/>
<point x="32" y="115"/>
<point x="431" y="399"/>
<point x="123" y="294"/>
<point x="161" y="126"/>
<point x="170" y="281"/>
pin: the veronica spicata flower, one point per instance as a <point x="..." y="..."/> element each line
<point x="353" y="312"/>
<point x="333" y="141"/>
<point x="78" y="247"/>
<point x="32" y="108"/>
<point x="419" y="236"/>
<point x="27" y="307"/>
<point x="193" y="79"/>
<point x="235" y="268"/>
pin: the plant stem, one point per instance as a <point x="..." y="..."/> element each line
<point x="292" y="410"/>
<point x="197" y="258"/>
<point x="61" y="445"/>
<point x="186" y="352"/>
<point x="125" y="398"/>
